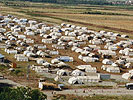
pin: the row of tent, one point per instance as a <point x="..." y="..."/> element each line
<point x="29" y="39"/>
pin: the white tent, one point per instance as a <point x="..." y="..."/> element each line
<point x="104" y="67"/>
<point x="89" y="78"/>
<point x="89" y="59"/>
<point x="74" y="48"/>
<point x="21" y="36"/>
<point x="2" y="30"/>
<point x="54" y="52"/>
<point x="11" y="51"/>
<point x="115" y="65"/>
<point x="91" y="70"/>
<point x="30" y="54"/>
<point x="57" y="78"/>
<point x="77" y="73"/>
<point x="120" y="61"/>
<point x="112" y="48"/>
<point x="129" y="60"/>
<point x="107" y="61"/>
<point x="30" y="33"/>
<point x="55" y="61"/>
<point x="74" y="80"/>
<point x="85" y="52"/>
<point x="46" y="64"/>
<point x="79" y="50"/>
<point x="49" y="41"/>
<point x="41" y="46"/>
<point x="84" y="79"/>
<point x="113" y="69"/>
<point x="62" y="72"/>
<point x="131" y="71"/>
<point x="39" y="52"/>
<point x="40" y="61"/>
<point x="128" y="65"/>
<point x="126" y="76"/>
<point x="22" y="58"/>
<point x="80" y="57"/>
<point x="60" y="64"/>
<point x="26" y="52"/>
<point x="83" y="67"/>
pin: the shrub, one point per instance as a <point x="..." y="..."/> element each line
<point x="21" y="93"/>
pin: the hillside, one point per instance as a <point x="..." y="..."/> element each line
<point x="97" y="2"/>
<point x="73" y="2"/>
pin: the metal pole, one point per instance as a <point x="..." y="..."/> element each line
<point x="28" y="71"/>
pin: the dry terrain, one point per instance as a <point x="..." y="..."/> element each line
<point x="112" y="18"/>
<point x="109" y="18"/>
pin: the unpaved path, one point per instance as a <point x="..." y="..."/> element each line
<point x="88" y="24"/>
<point x="80" y="92"/>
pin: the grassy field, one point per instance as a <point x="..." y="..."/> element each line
<point x="111" y="18"/>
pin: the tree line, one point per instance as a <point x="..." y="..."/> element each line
<point x="96" y="2"/>
<point x="21" y="93"/>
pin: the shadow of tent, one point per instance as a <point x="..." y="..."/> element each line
<point x="64" y="74"/>
<point x="51" y="88"/>
<point x="131" y="77"/>
<point x="78" y="82"/>
<point x="7" y="61"/>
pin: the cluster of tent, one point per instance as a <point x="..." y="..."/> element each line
<point x="30" y="40"/>
<point x="77" y="76"/>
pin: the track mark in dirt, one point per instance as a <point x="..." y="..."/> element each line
<point x="83" y="23"/>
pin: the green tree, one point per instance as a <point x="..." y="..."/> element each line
<point x="21" y="93"/>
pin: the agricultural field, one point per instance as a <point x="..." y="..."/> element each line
<point x="112" y="18"/>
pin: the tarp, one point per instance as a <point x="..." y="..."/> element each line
<point x="1" y="56"/>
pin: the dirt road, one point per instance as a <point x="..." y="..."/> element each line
<point x="86" y="92"/>
<point x="79" y="92"/>
<point x="7" y="82"/>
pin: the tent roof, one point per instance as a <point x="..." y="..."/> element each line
<point x="1" y="56"/>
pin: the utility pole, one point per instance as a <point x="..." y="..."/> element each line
<point x="28" y="71"/>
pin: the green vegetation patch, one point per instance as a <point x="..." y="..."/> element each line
<point x="3" y="67"/>
<point x="21" y="93"/>
<point x="104" y="13"/>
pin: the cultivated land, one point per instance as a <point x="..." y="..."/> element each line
<point x="112" y="18"/>
<point x="109" y="18"/>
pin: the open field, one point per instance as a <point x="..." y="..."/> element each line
<point x="111" y="18"/>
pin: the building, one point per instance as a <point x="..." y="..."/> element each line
<point x="84" y="79"/>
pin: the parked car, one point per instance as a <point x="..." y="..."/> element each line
<point x="129" y="86"/>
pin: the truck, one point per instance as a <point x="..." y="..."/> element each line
<point x="129" y="86"/>
<point x="43" y="85"/>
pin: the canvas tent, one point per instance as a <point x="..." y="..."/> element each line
<point x="74" y="80"/>
<point x="77" y="73"/>
<point x="107" y="61"/>
<point x="62" y="72"/>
